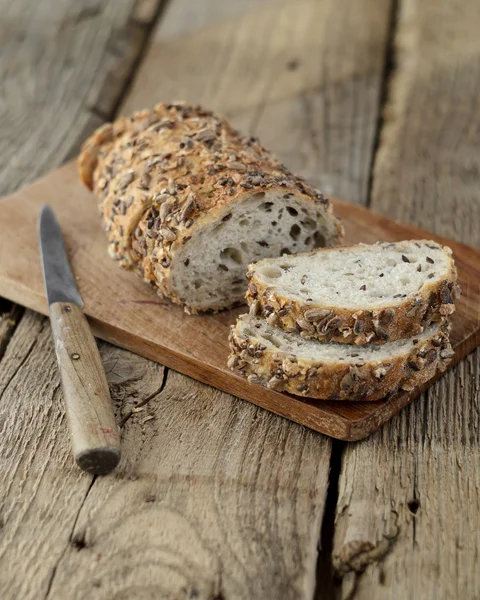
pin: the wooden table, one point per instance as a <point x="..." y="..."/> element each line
<point x="376" y="101"/>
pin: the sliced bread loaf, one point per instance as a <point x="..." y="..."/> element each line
<point x="188" y="203"/>
<point x="356" y="294"/>
<point x="330" y="371"/>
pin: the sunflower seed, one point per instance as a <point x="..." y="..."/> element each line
<point x="380" y="333"/>
<point x="445" y="296"/>
<point x="302" y="388"/>
<point x="359" y="326"/>
<point x="168" y="235"/>
<point x="346" y="382"/>
<point x="255" y="308"/>
<point x="316" y="314"/>
<point x="272" y="319"/>
<point x="386" y="317"/>
<point x="144" y="181"/>
<point x="232" y="362"/>
<point x="187" y="207"/>
<point x="126" y="180"/>
<point x="238" y="166"/>
<point x="165" y="209"/>
<point x="334" y="323"/>
<point x="274" y="383"/>
<point x="430" y="356"/>
<point x="305" y="325"/>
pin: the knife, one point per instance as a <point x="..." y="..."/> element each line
<point x="93" y="429"/>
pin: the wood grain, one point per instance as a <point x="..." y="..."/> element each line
<point x="54" y="64"/>
<point x="295" y="544"/>
<point x="125" y="311"/>
<point x="213" y="499"/>
<point x="42" y="490"/>
<point x="10" y="315"/>
<point x="52" y="89"/>
<point x="311" y="98"/>
<point x="62" y="61"/>
<point x="408" y="513"/>
<point x="91" y="422"/>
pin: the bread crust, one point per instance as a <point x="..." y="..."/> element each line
<point x="434" y="303"/>
<point x="161" y="174"/>
<point x="366" y="381"/>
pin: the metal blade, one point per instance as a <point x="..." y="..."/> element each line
<point x="57" y="273"/>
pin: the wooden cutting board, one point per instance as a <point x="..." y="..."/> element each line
<point x="125" y="311"/>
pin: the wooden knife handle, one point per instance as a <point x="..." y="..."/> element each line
<point x="93" y="429"/>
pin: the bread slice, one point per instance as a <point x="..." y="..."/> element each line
<point x="330" y="371"/>
<point x="188" y="203"/>
<point x="356" y="294"/>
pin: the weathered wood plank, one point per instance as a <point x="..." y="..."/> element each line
<point x="282" y="69"/>
<point x="55" y="60"/>
<point x="408" y="513"/>
<point x="41" y="488"/>
<point x="10" y="315"/>
<point x="219" y="498"/>
<point x="215" y="498"/>
<point x="61" y="63"/>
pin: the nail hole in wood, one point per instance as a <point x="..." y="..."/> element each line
<point x="292" y="65"/>
<point x="413" y="506"/>
<point x="78" y="542"/>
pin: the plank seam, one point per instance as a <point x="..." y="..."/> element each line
<point x="389" y="67"/>
<point x="13" y="315"/>
<point x="325" y="574"/>
<point x="147" y="29"/>
<point x="70" y="538"/>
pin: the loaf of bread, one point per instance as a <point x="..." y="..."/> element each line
<point x="356" y="294"/>
<point x="287" y="362"/>
<point x="188" y="203"/>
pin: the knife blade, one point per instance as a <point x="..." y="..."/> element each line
<point x="93" y="429"/>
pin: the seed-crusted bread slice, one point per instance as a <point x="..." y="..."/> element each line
<point x="188" y="203"/>
<point x="356" y="294"/>
<point x="330" y="371"/>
